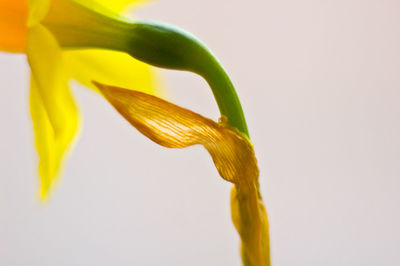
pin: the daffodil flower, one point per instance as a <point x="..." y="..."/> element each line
<point x="73" y="24"/>
<point x="28" y="27"/>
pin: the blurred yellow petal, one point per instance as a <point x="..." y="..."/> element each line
<point x="37" y="11"/>
<point x="54" y="113"/>
<point x="175" y="127"/>
<point x="116" y="6"/>
<point x="13" y="28"/>
<point x="110" y="67"/>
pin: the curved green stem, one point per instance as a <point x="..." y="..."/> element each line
<point x="169" y="47"/>
<point x="156" y="44"/>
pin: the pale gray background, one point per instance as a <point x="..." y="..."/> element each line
<point x="319" y="82"/>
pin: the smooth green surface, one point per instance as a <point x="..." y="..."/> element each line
<point x="158" y="45"/>
<point x="167" y="47"/>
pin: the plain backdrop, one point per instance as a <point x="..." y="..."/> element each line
<point x="320" y="85"/>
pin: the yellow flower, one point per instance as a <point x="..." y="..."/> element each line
<point x="31" y="27"/>
<point x="66" y="23"/>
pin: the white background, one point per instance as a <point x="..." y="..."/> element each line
<point x="319" y="82"/>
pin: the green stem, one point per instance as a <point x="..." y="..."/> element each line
<point x="156" y="44"/>
<point x="169" y="47"/>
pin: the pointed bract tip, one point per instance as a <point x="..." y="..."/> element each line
<point x="108" y="90"/>
<point x="99" y="85"/>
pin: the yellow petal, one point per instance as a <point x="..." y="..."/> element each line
<point x="110" y="67"/>
<point x="37" y="11"/>
<point x="175" y="127"/>
<point x="54" y="113"/>
<point x="116" y="6"/>
<point x="13" y="28"/>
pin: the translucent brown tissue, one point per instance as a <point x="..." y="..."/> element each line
<point x="175" y="127"/>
